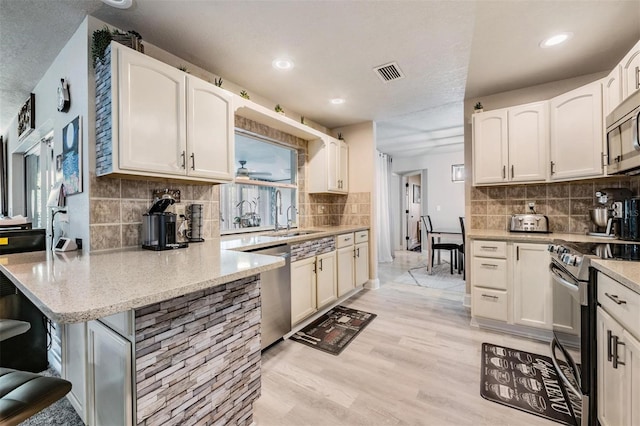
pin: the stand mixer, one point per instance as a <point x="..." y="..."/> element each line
<point x="607" y="214"/>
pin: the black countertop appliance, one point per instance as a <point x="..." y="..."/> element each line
<point x="27" y="351"/>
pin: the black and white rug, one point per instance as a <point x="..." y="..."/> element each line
<point x="527" y="382"/>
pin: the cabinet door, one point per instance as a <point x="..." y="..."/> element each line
<point x="577" y="133"/>
<point x="610" y="380"/>
<point x="630" y="65"/>
<point x="109" y="376"/>
<point x="152" y="114"/>
<point x="333" y="162"/>
<point x="327" y="278"/>
<point x="528" y="142"/>
<point x="209" y="131"/>
<point x="362" y="263"/>
<point x="74" y="365"/>
<point x="303" y="289"/>
<point x="345" y="270"/>
<point x="343" y="167"/>
<point x="490" y="154"/>
<point x="632" y="377"/>
<point x="532" y="302"/>
<point x="612" y="90"/>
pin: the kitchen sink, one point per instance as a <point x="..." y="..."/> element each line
<point x="292" y="233"/>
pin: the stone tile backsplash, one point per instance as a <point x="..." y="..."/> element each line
<point x="566" y="204"/>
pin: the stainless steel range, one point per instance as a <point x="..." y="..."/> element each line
<point x="575" y="280"/>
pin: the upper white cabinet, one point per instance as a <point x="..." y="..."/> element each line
<point x="510" y="145"/>
<point x="328" y="166"/>
<point x="577" y="133"/>
<point x="612" y="90"/>
<point x="161" y="122"/>
<point x="630" y="66"/>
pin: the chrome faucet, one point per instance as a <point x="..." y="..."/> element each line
<point x="290" y="220"/>
<point x="239" y="205"/>
<point x="278" y="208"/>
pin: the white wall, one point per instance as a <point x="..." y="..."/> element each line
<point x="442" y="199"/>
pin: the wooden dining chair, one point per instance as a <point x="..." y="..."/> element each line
<point x="452" y="248"/>
<point x="461" y="250"/>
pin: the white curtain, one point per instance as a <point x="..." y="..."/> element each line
<point x="383" y="172"/>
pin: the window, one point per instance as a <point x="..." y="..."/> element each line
<point x="264" y="168"/>
<point x="39" y="175"/>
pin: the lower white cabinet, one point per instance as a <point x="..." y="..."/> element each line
<point x="303" y="289"/>
<point x="74" y="353"/>
<point x="489" y="290"/>
<point x="610" y="379"/>
<point x="361" y="258"/>
<point x="108" y="376"/>
<point x="489" y="303"/>
<point x="345" y="270"/>
<point x="326" y="279"/>
<point x="532" y="299"/>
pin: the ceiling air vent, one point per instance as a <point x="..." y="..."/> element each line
<point x="389" y="72"/>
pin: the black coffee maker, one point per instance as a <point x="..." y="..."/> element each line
<point x="159" y="227"/>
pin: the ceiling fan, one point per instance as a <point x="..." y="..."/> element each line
<point x="245" y="173"/>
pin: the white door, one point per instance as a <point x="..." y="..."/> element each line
<point x="109" y="377"/>
<point x="631" y="71"/>
<point x="632" y="375"/>
<point x="327" y="278"/>
<point x="610" y="380"/>
<point x="345" y="270"/>
<point x="362" y="263"/>
<point x="577" y="133"/>
<point x="210" y="135"/>
<point x="528" y="140"/>
<point x="152" y="115"/>
<point x="612" y="90"/>
<point x="533" y="305"/>
<point x="303" y="289"/>
<point x="343" y="167"/>
<point x="490" y="155"/>
<point x="333" y="161"/>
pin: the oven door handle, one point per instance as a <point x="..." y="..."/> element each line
<point x="556" y="364"/>
<point x="578" y="291"/>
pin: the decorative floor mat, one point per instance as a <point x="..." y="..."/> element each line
<point x="333" y="331"/>
<point x="527" y="382"/>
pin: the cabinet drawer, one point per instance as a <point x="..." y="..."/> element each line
<point x="489" y="303"/>
<point x="490" y="248"/>
<point x="344" y="240"/>
<point x="362" y="236"/>
<point x="488" y="272"/>
<point x="626" y="310"/>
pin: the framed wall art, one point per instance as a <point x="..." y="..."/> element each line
<point x="457" y="173"/>
<point x="416" y="194"/>
<point x="72" y="156"/>
<point x="27" y="117"/>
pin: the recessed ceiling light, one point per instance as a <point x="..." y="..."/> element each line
<point x="282" y="64"/>
<point x="120" y="4"/>
<point x="555" y="40"/>
<point x="337" y="101"/>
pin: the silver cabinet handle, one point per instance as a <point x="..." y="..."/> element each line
<point x="488" y="296"/>
<point x="489" y="247"/>
<point x="489" y="265"/>
<point x="320" y="267"/>
<point x="358" y="251"/>
<point x="348" y="239"/>
<point x="553" y="164"/>
<point x="193" y="161"/>
<point x="616" y="299"/>
<point x="637" y="77"/>
<point x="517" y="253"/>
<point x="183" y="155"/>
<point x="616" y="361"/>
<point x="504" y="172"/>
<point x="512" y="171"/>
<point x="609" y="337"/>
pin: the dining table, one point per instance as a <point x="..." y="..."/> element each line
<point x="438" y="234"/>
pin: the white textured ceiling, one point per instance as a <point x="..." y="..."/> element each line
<point x="445" y="48"/>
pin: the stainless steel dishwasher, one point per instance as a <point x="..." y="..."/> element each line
<point x="275" y="287"/>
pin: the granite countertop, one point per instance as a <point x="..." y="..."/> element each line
<point x="74" y="286"/>
<point x="625" y="272"/>
<point x="489" y="234"/>
<point x="258" y="240"/>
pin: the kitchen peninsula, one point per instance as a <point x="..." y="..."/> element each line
<point x="170" y="334"/>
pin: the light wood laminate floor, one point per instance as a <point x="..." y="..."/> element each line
<point x="417" y="363"/>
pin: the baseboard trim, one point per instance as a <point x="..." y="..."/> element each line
<point x="466" y="301"/>
<point x="516" y="329"/>
<point x="373" y="284"/>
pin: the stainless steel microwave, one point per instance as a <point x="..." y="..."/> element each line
<point x="623" y="145"/>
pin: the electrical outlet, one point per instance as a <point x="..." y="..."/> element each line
<point x="320" y="209"/>
<point x="531" y="205"/>
<point x="179" y="209"/>
<point x="354" y="208"/>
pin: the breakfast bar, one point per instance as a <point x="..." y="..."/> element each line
<point x="174" y="334"/>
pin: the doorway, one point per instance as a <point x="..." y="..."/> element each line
<point x="413" y="204"/>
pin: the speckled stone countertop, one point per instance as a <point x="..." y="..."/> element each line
<point x="74" y="287"/>
<point x="254" y="241"/>
<point x="625" y="272"/>
<point x="488" y="234"/>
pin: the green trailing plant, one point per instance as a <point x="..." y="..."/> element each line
<point x="478" y="106"/>
<point x="99" y="43"/>
<point x="340" y="137"/>
<point x="218" y="82"/>
<point x="279" y="109"/>
<point x="183" y="68"/>
<point x="244" y="94"/>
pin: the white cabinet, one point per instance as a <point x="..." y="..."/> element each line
<point x="163" y="122"/>
<point x="303" y="289"/>
<point x="326" y="279"/>
<point x="346" y="264"/>
<point x="328" y="166"/>
<point x="612" y="90"/>
<point x="361" y="259"/>
<point x="532" y="298"/>
<point x="74" y="353"/>
<point x="510" y="145"/>
<point x="630" y="66"/>
<point x="489" y="295"/>
<point x="108" y="376"/>
<point x="618" y="353"/>
<point x="577" y="133"/>
<point x="313" y="285"/>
